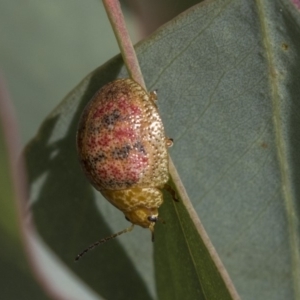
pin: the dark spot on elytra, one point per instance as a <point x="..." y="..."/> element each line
<point x="85" y="163"/>
<point x="88" y="167"/>
<point x="128" y="183"/>
<point x="111" y="92"/>
<point x="140" y="147"/>
<point x="112" y="118"/>
<point x="98" y="158"/>
<point x="93" y="129"/>
<point x="89" y="163"/>
<point x="113" y="184"/>
<point x="121" y="153"/>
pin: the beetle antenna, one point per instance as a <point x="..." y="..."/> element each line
<point x="102" y="241"/>
<point x="152" y="236"/>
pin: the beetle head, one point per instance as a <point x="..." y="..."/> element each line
<point x="143" y="217"/>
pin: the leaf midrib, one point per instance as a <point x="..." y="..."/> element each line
<point x="281" y="151"/>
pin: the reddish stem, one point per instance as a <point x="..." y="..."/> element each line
<point x="116" y="18"/>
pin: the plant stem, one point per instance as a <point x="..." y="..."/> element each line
<point x="116" y="18"/>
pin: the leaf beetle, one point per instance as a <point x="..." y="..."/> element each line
<point x="122" y="149"/>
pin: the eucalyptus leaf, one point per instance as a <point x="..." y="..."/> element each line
<point x="227" y="74"/>
<point x="17" y="281"/>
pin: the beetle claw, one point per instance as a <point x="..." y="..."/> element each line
<point x="153" y="95"/>
<point x="172" y="192"/>
<point x="169" y="142"/>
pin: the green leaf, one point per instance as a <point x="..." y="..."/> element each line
<point x="186" y="257"/>
<point x="227" y="77"/>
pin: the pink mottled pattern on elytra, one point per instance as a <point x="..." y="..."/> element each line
<point x="122" y="104"/>
<point x="121" y="173"/>
<point x="102" y="110"/>
<point x="123" y="149"/>
<point x="125" y="133"/>
<point x="122" y="132"/>
<point x="121" y="141"/>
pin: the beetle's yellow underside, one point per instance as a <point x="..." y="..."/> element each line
<point x="136" y="203"/>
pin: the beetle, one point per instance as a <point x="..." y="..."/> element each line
<point x="122" y="149"/>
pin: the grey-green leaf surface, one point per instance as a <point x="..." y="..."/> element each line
<point x="227" y="74"/>
<point x="17" y="280"/>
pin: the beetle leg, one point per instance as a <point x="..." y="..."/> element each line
<point x="171" y="191"/>
<point x="169" y="142"/>
<point x="153" y="96"/>
<point x="151" y="227"/>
